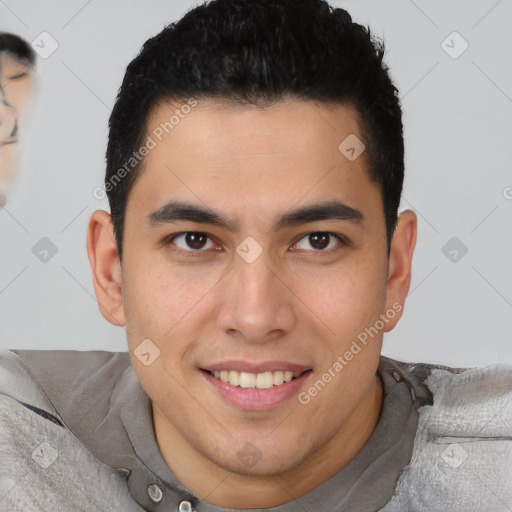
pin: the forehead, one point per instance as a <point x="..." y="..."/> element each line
<point x="9" y="64"/>
<point x="215" y="150"/>
<point x="293" y="127"/>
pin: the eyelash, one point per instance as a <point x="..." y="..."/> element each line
<point x="196" y="253"/>
<point x="17" y="77"/>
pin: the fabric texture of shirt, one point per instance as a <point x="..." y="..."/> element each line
<point x="76" y="433"/>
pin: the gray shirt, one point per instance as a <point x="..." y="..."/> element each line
<point x="97" y="397"/>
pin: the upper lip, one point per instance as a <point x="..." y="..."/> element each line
<point x="254" y="367"/>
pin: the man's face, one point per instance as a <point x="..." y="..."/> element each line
<point x="8" y="145"/>
<point x="17" y="81"/>
<point x="287" y="296"/>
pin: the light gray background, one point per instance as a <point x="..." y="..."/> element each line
<point x="457" y="116"/>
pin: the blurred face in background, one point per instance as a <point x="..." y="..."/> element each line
<point x="17" y="82"/>
<point x="8" y="145"/>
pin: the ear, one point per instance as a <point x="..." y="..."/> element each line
<point x="106" y="267"/>
<point x="399" y="265"/>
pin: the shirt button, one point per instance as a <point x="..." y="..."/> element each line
<point x="185" y="506"/>
<point x="396" y="376"/>
<point x="155" y="493"/>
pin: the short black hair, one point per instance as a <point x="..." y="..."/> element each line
<point x="17" y="48"/>
<point x="258" y="52"/>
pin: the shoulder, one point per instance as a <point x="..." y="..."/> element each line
<point x="62" y="385"/>
<point x="47" y="378"/>
<point x="462" y="456"/>
<point x="45" y="466"/>
<point x="478" y="401"/>
<point x="464" y="397"/>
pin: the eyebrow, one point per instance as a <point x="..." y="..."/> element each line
<point x="176" y="211"/>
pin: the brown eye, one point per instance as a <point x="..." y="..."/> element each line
<point x="192" y="241"/>
<point x="195" y="240"/>
<point x="319" y="241"/>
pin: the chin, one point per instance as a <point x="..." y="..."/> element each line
<point x="258" y="459"/>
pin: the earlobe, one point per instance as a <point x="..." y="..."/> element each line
<point x="399" y="265"/>
<point x="106" y="267"/>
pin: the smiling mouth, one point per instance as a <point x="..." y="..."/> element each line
<point x="248" y="380"/>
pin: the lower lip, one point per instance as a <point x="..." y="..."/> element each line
<point x="253" y="399"/>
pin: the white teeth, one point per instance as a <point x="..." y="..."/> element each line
<point x="247" y="380"/>
<point x="252" y="380"/>
<point x="278" y="378"/>
<point x="234" y="378"/>
<point x="264" y="380"/>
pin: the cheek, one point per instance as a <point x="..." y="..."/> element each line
<point x="163" y="304"/>
<point x="345" y="300"/>
<point x="18" y="93"/>
<point x="8" y="161"/>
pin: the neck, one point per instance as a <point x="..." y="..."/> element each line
<point x="225" y="489"/>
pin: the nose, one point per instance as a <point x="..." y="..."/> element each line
<point x="256" y="303"/>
